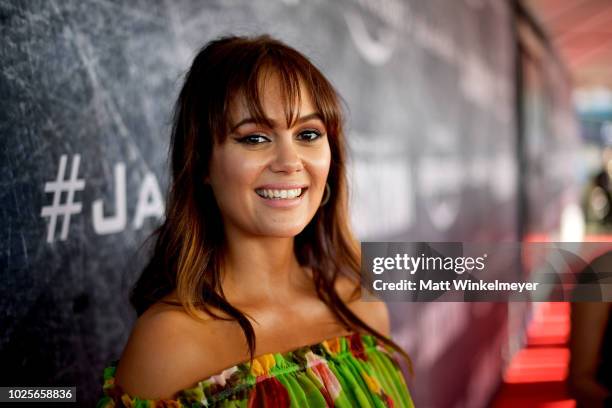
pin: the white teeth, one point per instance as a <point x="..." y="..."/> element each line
<point x="279" y="194"/>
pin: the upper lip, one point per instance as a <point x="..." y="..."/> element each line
<point x="282" y="186"/>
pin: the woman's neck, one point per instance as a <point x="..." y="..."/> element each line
<point x="262" y="269"/>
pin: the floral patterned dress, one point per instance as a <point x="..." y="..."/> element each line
<point x="356" y="370"/>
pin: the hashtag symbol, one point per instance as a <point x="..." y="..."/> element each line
<point x="67" y="208"/>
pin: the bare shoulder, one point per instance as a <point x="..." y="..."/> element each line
<point x="374" y="313"/>
<point x="169" y="350"/>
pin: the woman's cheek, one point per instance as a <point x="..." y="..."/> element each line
<point x="319" y="170"/>
<point x="320" y="164"/>
<point x="240" y="170"/>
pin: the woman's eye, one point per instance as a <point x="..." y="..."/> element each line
<point x="309" y="135"/>
<point x="253" y="139"/>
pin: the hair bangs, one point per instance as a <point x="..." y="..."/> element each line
<point x="295" y="75"/>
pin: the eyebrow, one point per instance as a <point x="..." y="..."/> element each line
<point x="253" y="120"/>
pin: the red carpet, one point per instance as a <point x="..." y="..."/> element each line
<point x="536" y="375"/>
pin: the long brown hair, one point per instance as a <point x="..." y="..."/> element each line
<point x="188" y="248"/>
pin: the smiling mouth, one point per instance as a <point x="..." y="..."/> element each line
<point x="273" y="194"/>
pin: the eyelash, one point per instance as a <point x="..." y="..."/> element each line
<point x="249" y="138"/>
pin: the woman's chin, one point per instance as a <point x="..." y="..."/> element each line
<point x="282" y="231"/>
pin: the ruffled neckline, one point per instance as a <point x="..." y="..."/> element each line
<point x="264" y="366"/>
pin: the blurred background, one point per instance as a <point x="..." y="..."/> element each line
<point x="467" y="120"/>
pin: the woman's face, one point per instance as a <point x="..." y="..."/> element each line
<point x="269" y="181"/>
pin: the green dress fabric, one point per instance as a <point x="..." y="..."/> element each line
<point x="356" y="370"/>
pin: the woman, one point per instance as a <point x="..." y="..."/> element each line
<point x="256" y="245"/>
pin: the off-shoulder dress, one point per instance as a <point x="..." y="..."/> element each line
<point x="356" y="370"/>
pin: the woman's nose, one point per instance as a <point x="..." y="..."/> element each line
<point x="287" y="158"/>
